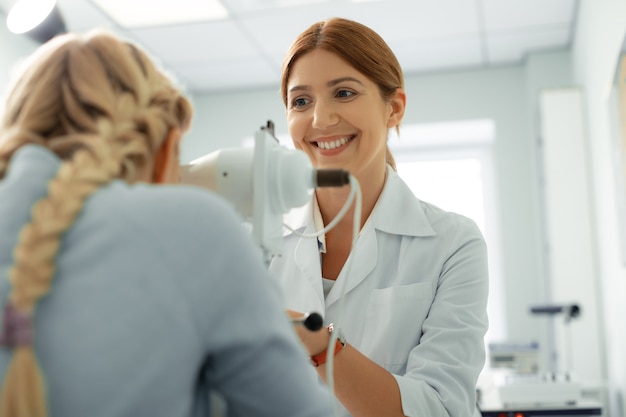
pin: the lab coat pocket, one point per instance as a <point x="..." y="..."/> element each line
<point x="393" y="323"/>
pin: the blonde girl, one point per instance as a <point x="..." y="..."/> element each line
<point x="120" y="297"/>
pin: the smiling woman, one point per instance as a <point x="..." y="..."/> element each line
<point x="405" y="324"/>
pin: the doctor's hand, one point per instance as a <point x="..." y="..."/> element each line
<point x="363" y="387"/>
<point x="315" y="342"/>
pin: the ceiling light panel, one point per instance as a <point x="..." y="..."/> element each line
<point x="513" y="46"/>
<point x="250" y="6"/>
<point x="503" y="15"/>
<point x="438" y="54"/>
<point x="198" y="41"/>
<point x="229" y="75"/>
<point x="145" y="13"/>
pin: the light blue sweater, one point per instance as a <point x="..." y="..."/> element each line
<point x="159" y="297"/>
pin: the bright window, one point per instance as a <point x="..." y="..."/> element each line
<point x="454" y="185"/>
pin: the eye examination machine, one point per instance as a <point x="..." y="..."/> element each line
<point x="262" y="183"/>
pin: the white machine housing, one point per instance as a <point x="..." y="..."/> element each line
<point x="262" y="183"/>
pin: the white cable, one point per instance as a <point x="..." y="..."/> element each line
<point x="334" y="221"/>
<point x="355" y="195"/>
<point x="356" y="227"/>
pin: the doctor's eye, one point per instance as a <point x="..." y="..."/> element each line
<point x="345" y="94"/>
<point x="299" y="102"/>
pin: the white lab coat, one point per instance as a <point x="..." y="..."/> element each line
<point x="415" y="296"/>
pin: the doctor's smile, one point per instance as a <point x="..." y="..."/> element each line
<point x="332" y="144"/>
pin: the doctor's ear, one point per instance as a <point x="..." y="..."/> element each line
<point x="397" y="103"/>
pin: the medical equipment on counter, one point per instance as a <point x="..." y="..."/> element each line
<point x="569" y="312"/>
<point x="515" y="358"/>
<point x="524" y="385"/>
<point x="263" y="183"/>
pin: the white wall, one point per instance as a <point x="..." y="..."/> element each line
<point x="569" y="233"/>
<point x="224" y="120"/>
<point x="599" y="36"/>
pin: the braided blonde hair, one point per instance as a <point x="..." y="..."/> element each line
<point x="104" y="108"/>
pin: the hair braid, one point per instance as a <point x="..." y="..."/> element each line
<point x="107" y="110"/>
<point x="38" y="243"/>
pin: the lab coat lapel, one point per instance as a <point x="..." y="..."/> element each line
<point x="359" y="265"/>
<point x="397" y="212"/>
<point x="307" y="259"/>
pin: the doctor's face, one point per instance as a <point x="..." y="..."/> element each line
<point x="336" y="114"/>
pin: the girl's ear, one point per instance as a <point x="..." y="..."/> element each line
<point x="398" y="105"/>
<point x="167" y="159"/>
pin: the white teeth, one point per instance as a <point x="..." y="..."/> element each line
<point x="333" y="144"/>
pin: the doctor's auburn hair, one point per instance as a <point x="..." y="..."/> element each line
<point x="102" y="105"/>
<point x="359" y="46"/>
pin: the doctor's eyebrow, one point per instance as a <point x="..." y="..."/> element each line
<point x="336" y="81"/>
<point x="331" y="83"/>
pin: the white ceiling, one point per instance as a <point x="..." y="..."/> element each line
<point x="246" y="50"/>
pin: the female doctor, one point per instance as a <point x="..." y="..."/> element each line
<point x="410" y="329"/>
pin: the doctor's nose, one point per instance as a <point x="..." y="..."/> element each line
<point x="324" y="116"/>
